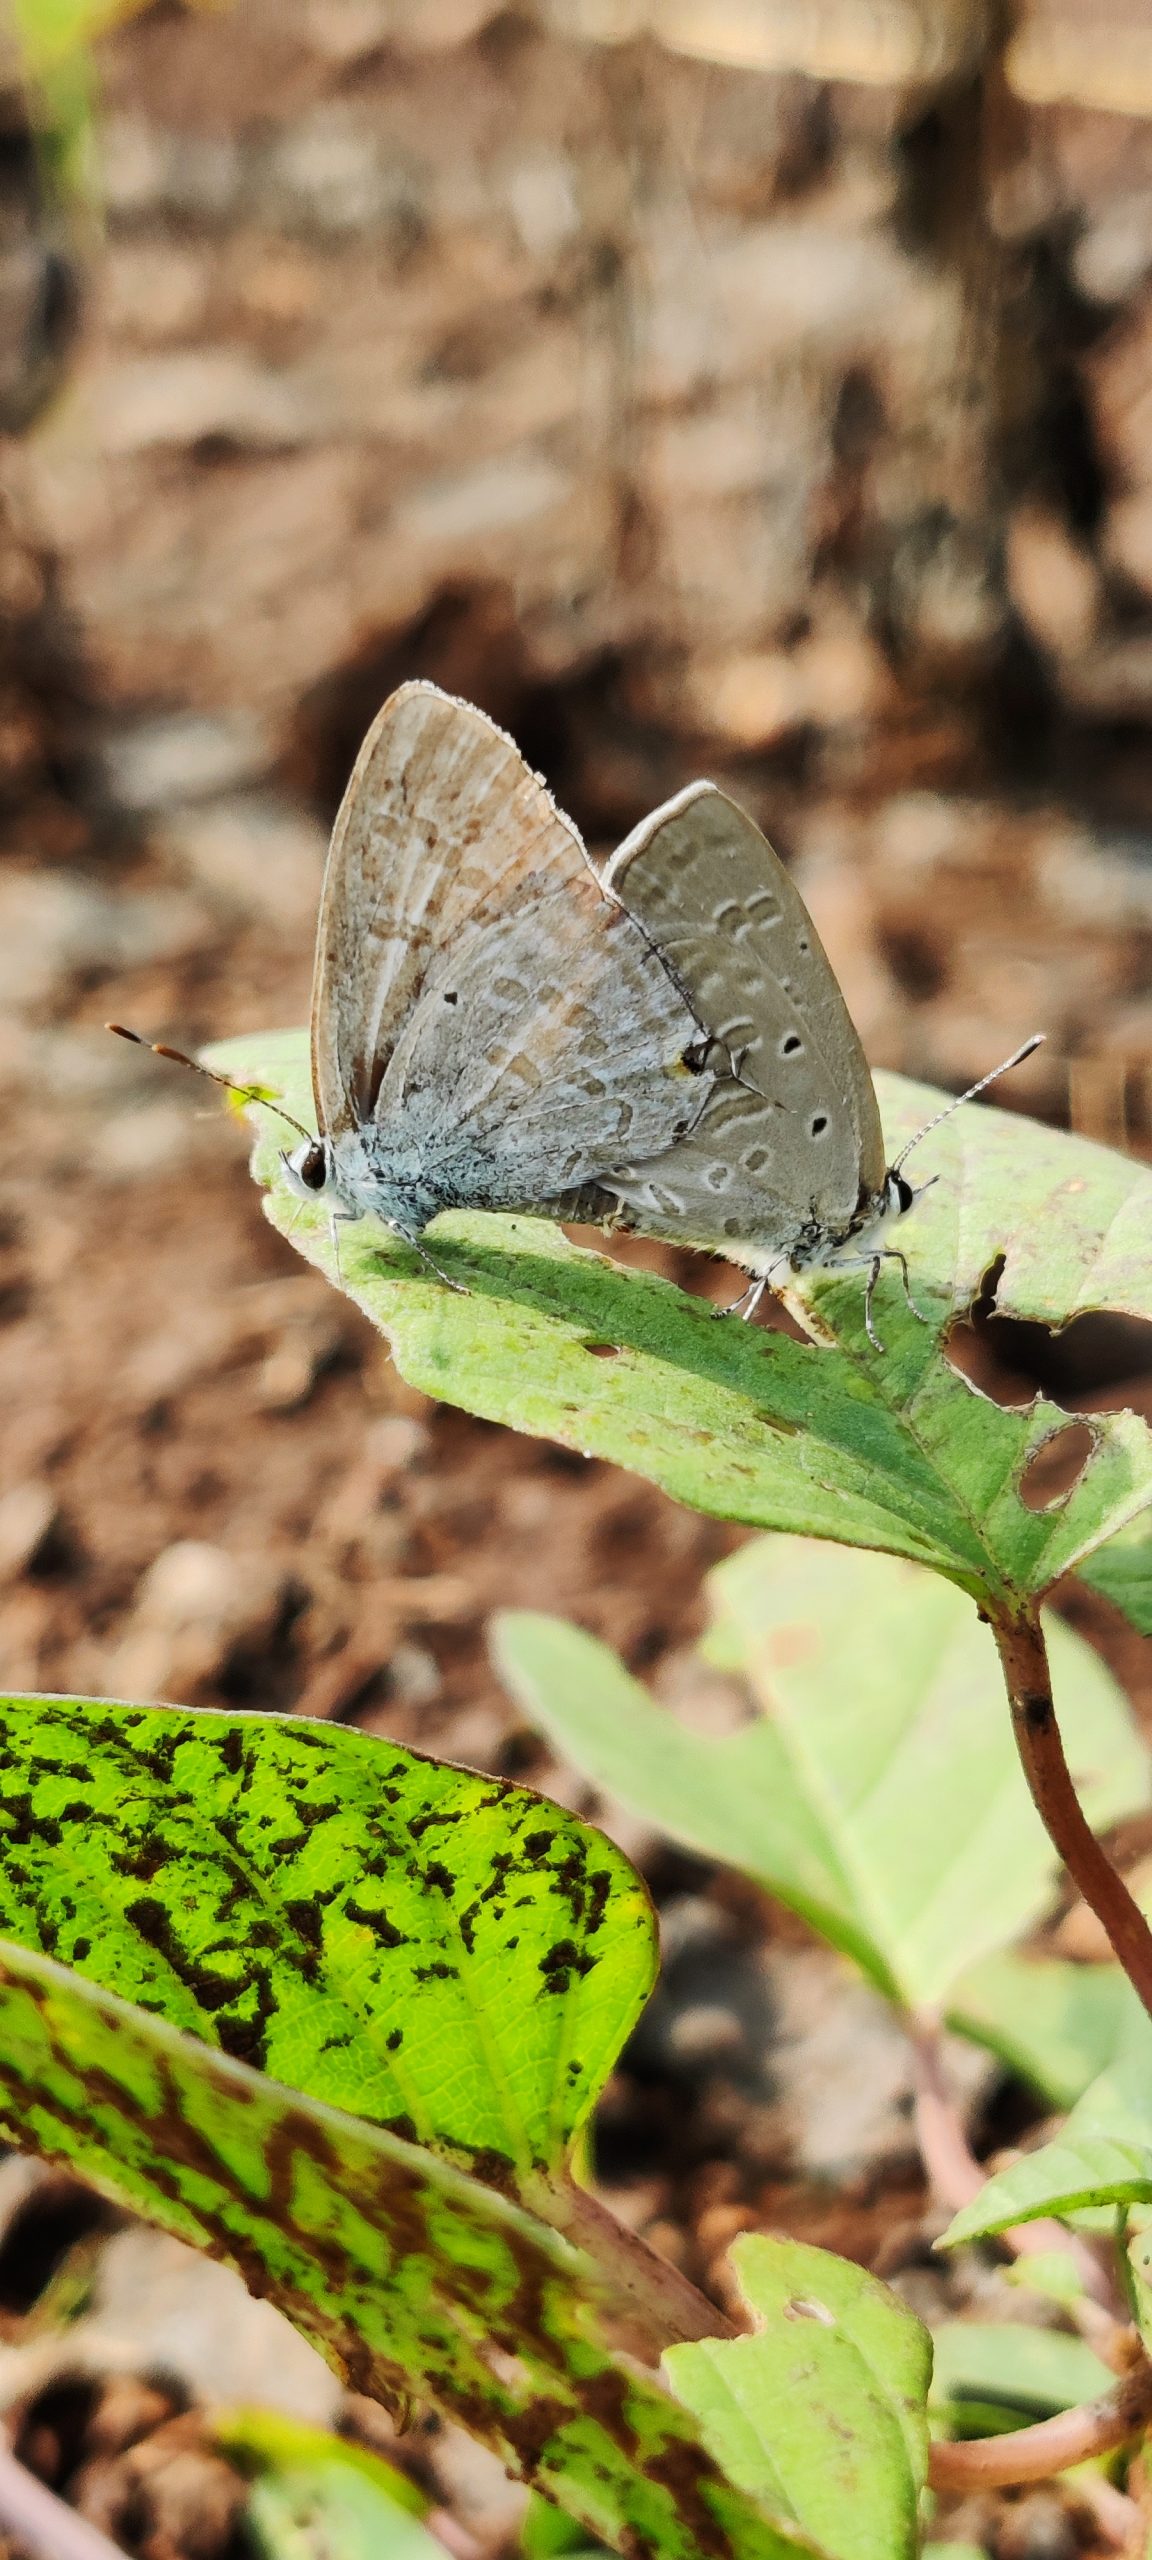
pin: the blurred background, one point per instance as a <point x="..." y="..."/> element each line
<point x="757" y="388"/>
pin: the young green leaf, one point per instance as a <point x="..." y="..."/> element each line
<point x="316" y="2497"/>
<point x="988" y="2374"/>
<point x="890" y="1449"/>
<point x="1056" y="2025"/>
<point x="821" y="2413"/>
<point x="1102" y="2156"/>
<point x="417" y="2282"/>
<point x="878" y="1789"/>
<point x="446" y="1954"/>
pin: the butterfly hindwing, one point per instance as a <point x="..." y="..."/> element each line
<point x="790" y="1135"/>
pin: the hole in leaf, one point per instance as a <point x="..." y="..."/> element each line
<point x="603" y="1350"/>
<point x="1055" y="1467"/>
<point x="1099" y="1363"/>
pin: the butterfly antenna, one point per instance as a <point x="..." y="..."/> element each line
<point x="180" y="1058"/>
<point x="1025" y="1051"/>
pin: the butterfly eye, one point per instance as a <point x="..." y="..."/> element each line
<point x="311" y="1166"/>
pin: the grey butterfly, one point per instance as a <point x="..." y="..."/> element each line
<point x="496" y="1025"/>
<point x="661" y="1046"/>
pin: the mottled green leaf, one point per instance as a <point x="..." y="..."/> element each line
<point x="314" y="2496"/>
<point x="997" y="2373"/>
<point x="821" y="2412"/>
<point x="1057" y="2025"/>
<point x="447" y="1954"/>
<point x="1102" y="2155"/>
<point x="416" y="2281"/>
<point x="887" y="1449"/>
<point x="1122" y="1570"/>
<point x="878" y="1789"/>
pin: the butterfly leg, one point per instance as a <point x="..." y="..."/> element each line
<point x="893" y="1254"/>
<point x="749" y="1299"/>
<point x="456" y="1286"/>
<point x="869" y="1294"/>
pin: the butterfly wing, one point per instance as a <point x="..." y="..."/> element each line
<point x="477" y="996"/>
<point x="791" y="1135"/>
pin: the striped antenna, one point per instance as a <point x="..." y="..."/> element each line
<point x="994" y="1072"/>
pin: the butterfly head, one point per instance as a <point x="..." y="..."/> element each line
<point x="308" y="1168"/>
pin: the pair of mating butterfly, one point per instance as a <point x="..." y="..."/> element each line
<point x="660" y="1046"/>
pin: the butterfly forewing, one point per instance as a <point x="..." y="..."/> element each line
<point x="547" y="1051"/>
<point x="791" y="1135"/>
<point x="439" y="826"/>
<point x="482" y="1009"/>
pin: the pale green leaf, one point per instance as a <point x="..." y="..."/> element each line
<point x="821" y="2412"/>
<point x="314" y="2496"/>
<point x="1057" y="2025"/>
<point x="1102" y="2155"/>
<point x="887" y="1449"/>
<point x="878" y="1789"/>
<point x="1019" y="2372"/>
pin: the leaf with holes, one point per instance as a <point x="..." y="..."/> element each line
<point x="446" y="1954"/>
<point x="888" y="1449"/>
<point x="417" y="2282"/>
<point x="821" y="2412"/>
<point x="877" y="1790"/>
<point x="1101" y="2156"/>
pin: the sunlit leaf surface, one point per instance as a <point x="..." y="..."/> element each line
<point x="821" y="2412"/>
<point x="888" y="1449"/>
<point x="877" y="1788"/>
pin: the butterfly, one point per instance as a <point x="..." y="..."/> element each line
<point x="658" y="1046"/>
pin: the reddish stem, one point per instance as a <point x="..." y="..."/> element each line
<point x="1035" y="2453"/>
<point x="956" y="2177"/>
<point x="650" y="2305"/>
<point x="34" y="2515"/>
<point x="1025" y="1663"/>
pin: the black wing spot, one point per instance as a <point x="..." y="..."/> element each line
<point x="819" y="1124"/>
<point x="450" y="997"/>
<point x="790" y="1044"/>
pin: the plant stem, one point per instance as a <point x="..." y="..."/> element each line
<point x="955" y="2177"/>
<point x="1025" y="1663"/>
<point x="649" y="2303"/>
<point x="34" y="2515"/>
<point x="1035" y="2453"/>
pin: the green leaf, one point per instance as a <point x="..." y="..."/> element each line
<point x="415" y="2280"/>
<point x="1122" y="1570"/>
<point x="49" y="30"/>
<point x="547" y="2534"/>
<point x="1057" y="2025"/>
<point x="878" y="1791"/>
<point x="887" y="1449"/>
<point x="1002" y="2371"/>
<point x="446" y="1954"/>
<point x="1102" y="2156"/>
<point x="316" y="2497"/>
<point x="821" y="2413"/>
